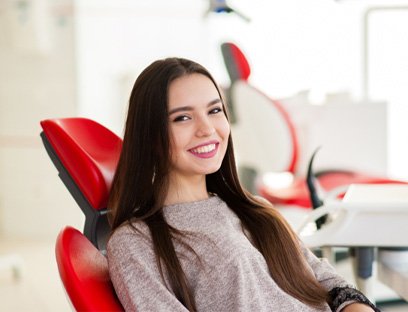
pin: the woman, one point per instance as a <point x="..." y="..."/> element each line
<point x="186" y="236"/>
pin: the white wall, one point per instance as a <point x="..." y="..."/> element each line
<point x="115" y="40"/>
<point x="37" y="74"/>
<point x="388" y="78"/>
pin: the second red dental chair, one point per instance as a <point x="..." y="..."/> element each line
<point x="279" y="151"/>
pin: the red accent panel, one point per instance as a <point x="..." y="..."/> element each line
<point x="298" y="194"/>
<point x="331" y="180"/>
<point x="241" y="61"/>
<point x="292" y="130"/>
<point x="89" y="152"/>
<point x="84" y="273"/>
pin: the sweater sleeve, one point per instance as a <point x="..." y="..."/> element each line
<point x="340" y="293"/>
<point x="135" y="274"/>
<point x="324" y="272"/>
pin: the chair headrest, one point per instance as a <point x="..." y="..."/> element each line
<point x="89" y="152"/>
<point x="235" y="61"/>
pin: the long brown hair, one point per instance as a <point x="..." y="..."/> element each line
<point x="141" y="182"/>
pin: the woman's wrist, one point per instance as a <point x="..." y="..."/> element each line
<point x="357" y="307"/>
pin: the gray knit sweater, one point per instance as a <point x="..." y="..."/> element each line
<point x="231" y="274"/>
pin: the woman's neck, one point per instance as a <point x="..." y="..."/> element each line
<point x="186" y="190"/>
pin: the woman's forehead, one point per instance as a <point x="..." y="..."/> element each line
<point x="192" y="89"/>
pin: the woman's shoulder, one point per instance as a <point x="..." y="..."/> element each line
<point x="130" y="234"/>
<point x="130" y="249"/>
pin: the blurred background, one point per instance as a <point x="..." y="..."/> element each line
<point x="61" y="58"/>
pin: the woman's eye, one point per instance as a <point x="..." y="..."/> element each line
<point x="216" y="110"/>
<point x="181" y="118"/>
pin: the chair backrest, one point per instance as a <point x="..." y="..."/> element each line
<point x="264" y="136"/>
<point x="85" y="154"/>
<point x="84" y="273"/>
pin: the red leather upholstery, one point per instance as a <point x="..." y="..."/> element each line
<point x="236" y="62"/>
<point x="89" y="152"/>
<point x="241" y="60"/>
<point x="84" y="273"/>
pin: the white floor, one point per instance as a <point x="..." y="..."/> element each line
<point x="39" y="287"/>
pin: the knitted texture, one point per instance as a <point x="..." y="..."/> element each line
<point x="225" y="271"/>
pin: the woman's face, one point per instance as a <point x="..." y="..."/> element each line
<point x="198" y="127"/>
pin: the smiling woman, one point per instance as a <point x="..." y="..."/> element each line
<point x="186" y="235"/>
<point x="199" y="132"/>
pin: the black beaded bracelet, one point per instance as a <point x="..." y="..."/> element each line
<point x="338" y="295"/>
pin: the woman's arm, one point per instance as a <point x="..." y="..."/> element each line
<point x="342" y="295"/>
<point x="348" y="299"/>
<point x="357" y="307"/>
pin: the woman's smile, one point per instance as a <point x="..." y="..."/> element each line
<point x="198" y="127"/>
<point x="206" y="150"/>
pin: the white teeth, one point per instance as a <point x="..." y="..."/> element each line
<point x="204" y="149"/>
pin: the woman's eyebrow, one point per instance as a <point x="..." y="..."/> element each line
<point x="180" y="109"/>
<point x="189" y="108"/>
<point x="215" y="101"/>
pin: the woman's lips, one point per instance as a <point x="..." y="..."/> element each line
<point x="206" y="150"/>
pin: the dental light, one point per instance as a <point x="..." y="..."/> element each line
<point x="221" y="6"/>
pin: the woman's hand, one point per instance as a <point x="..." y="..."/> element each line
<point x="357" y="307"/>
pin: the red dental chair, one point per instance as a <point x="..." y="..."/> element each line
<point x="84" y="272"/>
<point x="279" y="151"/>
<point x="85" y="154"/>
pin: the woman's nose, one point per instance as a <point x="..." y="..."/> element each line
<point x="205" y="127"/>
